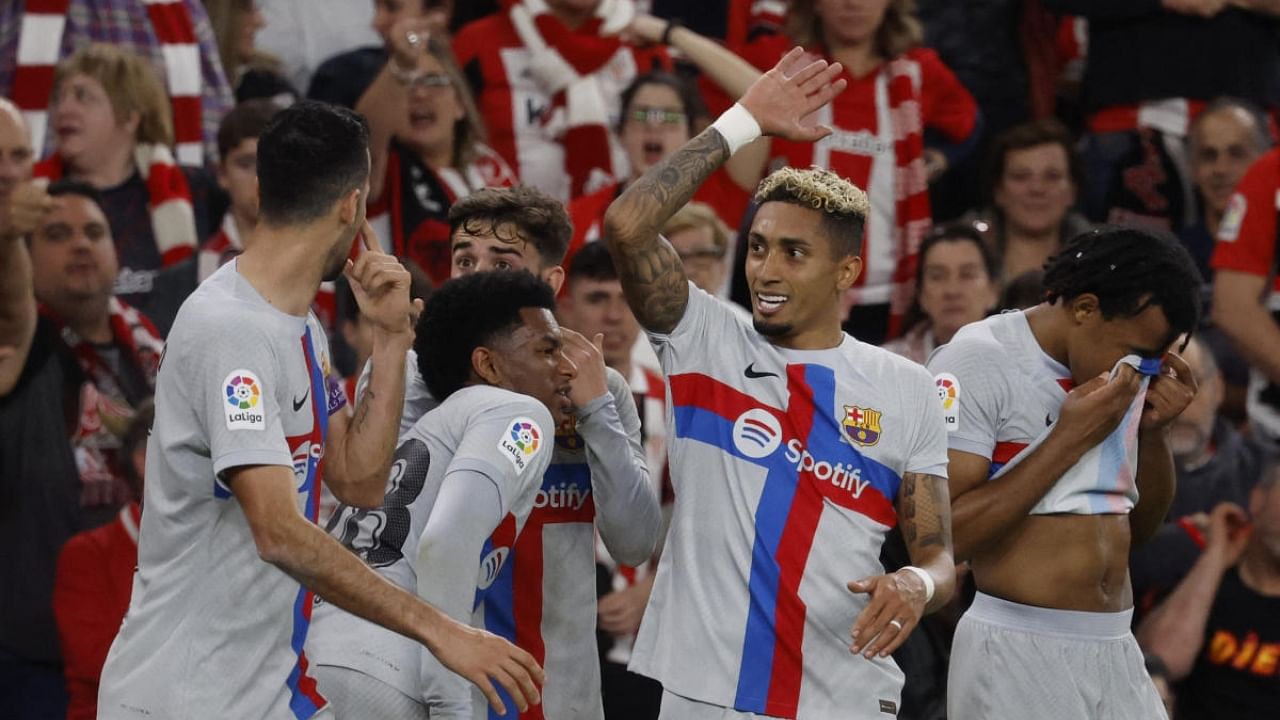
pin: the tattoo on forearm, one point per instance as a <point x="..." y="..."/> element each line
<point x="924" y="511"/>
<point x="649" y="268"/>
<point x="362" y="411"/>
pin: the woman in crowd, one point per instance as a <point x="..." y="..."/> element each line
<point x="1031" y="184"/>
<point x="112" y="128"/>
<point x="252" y="73"/>
<point x="956" y="284"/>
<point x="902" y="120"/>
<point x="426" y="143"/>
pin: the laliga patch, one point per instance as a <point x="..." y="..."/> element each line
<point x="1229" y="228"/>
<point x="520" y="442"/>
<point x="245" y="408"/>
<point x="949" y="395"/>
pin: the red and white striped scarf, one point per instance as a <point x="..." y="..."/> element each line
<point x="173" y="219"/>
<point x="40" y="48"/>
<point x="565" y="63"/>
<point x="911" y="183"/>
<point x="219" y="249"/>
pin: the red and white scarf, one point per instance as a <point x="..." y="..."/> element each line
<point x="565" y="63"/>
<point x="219" y="249"/>
<point x="173" y="220"/>
<point x="911" y="183"/>
<point x="40" y="48"/>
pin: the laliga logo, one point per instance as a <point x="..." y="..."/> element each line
<point x="757" y="433"/>
<point x="491" y="565"/>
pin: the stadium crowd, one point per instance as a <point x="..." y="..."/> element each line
<point x="536" y="136"/>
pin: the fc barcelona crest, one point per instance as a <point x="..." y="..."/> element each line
<point x="861" y="425"/>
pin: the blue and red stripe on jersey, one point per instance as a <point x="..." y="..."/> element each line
<point x="786" y="517"/>
<point x="513" y="604"/>
<point x="1002" y="454"/>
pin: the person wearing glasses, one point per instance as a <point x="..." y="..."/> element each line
<point x="426" y="146"/>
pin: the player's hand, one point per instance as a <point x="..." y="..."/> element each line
<point x="380" y="284"/>
<point x="620" y="612"/>
<point x="1229" y="533"/>
<point x="483" y="658"/>
<point x="407" y="41"/>
<point x="781" y="103"/>
<point x="1169" y="393"/>
<point x="1093" y="410"/>
<point x="897" y="604"/>
<point x="587" y="357"/>
<point x="26" y="210"/>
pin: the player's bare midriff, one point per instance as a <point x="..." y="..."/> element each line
<point x="1067" y="562"/>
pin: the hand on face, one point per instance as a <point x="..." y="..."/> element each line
<point x="587" y="357"/>
<point x="381" y="287"/>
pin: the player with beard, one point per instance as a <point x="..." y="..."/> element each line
<point x="228" y="552"/>
<point x="794" y="447"/>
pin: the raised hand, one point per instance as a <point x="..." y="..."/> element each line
<point x="483" y="658"/>
<point x="779" y="101"/>
<point x="644" y="30"/>
<point x="380" y="284"/>
<point x="587" y="357"/>
<point x="897" y="604"/>
<point x="1169" y="393"/>
<point x="1229" y="533"/>
<point x="407" y="41"/>
<point x="27" y="207"/>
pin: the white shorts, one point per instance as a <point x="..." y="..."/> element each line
<point x="352" y="695"/>
<point x="678" y="707"/>
<point x="1011" y="662"/>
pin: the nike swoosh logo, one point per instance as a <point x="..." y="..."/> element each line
<point x="754" y="374"/>
<point x="297" y="404"/>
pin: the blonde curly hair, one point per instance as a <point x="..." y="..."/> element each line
<point x="843" y="205"/>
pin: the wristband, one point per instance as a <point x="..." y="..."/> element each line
<point x="737" y="127"/>
<point x="924" y="577"/>
<point x="671" y="27"/>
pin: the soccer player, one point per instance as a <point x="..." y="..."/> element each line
<point x="544" y="599"/>
<point x="794" y="447"/>
<point x="228" y="553"/>
<point x="1057" y="422"/>
<point x="463" y="482"/>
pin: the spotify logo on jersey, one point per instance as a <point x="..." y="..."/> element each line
<point x="757" y="433"/>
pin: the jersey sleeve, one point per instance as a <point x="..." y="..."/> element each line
<point x="237" y="386"/>
<point x="510" y="443"/>
<point x="945" y="104"/>
<point x="928" y="453"/>
<point x="1246" y="239"/>
<point x="969" y="378"/>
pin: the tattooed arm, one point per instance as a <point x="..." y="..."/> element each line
<point x="649" y="268"/>
<point x="898" y="599"/>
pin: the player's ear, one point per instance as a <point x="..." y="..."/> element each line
<point x="847" y="271"/>
<point x="554" y="276"/>
<point x="483" y="365"/>
<point x="1083" y="307"/>
<point x="349" y="207"/>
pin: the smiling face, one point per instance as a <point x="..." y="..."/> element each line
<point x="530" y="360"/>
<point x="795" y="278"/>
<point x="1223" y="146"/>
<point x="1035" y="190"/>
<point x="655" y="126"/>
<point x="73" y="259"/>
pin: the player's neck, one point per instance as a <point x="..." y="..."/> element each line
<point x="283" y="266"/>
<point x="1047" y="328"/>
<point x="824" y="338"/>
<point x="1260" y="571"/>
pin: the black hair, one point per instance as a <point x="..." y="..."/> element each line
<point x="949" y="232"/>
<point x="1023" y="291"/>
<point x="538" y="219"/>
<point x="1128" y="269"/>
<point x="690" y="99"/>
<point x="65" y="186"/>
<point x="593" y="262"/>
<point x="246" y="121"/>
<point x="310" y="155"/>
<point x="469" y="312"/>
<point x="1047" y="131"/>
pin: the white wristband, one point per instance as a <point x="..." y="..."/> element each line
<point x="926" y="578"/>
<point x="737" y="127"/>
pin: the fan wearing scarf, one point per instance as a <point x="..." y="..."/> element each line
<point x="547" y="75"/>
<point x="74" y="362"/>
<point x="1058" y="420"/>
<point x="112" y="129"/>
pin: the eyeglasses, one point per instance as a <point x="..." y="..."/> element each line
<point x="429" y="81"/>
<point x="704" y="254"/>
<point x="657" y="116"/>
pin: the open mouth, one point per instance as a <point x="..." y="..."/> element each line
<point x="422" y="119"/>
<point x="769" y="304"/>
<point x="653" y="152"/>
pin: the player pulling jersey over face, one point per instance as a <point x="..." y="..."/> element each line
<point x="816" y="445"/>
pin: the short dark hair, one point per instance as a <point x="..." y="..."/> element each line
<point x="310" y="155"/>
<point x="65" y="186"/>
<point x="468" y="312"/>
<point x="538" y="218"/>
<point x="1023" y="291"/>
<point x="949" y="232"/>
<point x="246" y="121"/>
<point x="1048" y="131"/>
<point x="593" y="262"/>
<point x="1128" y="269"/>
<point x="690" y="99"/>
